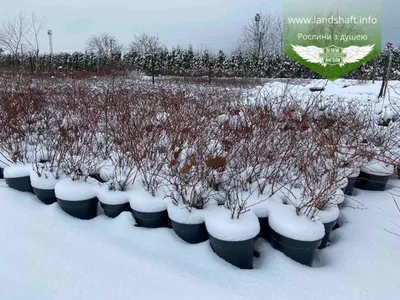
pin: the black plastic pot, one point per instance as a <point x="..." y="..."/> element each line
<point x="114" y="210"/>
<point x="84" y="209"/>
<point x="151" y="219"/>
<point x="191" y="233"/>
<point x="239" y="254"/>
<point x="300" y="251"/>
<point x="1" y="173"/>
<point x="348" y="190"/>
<point x="328" y="230"/>
<point x="371" y="182"/>
<point x="46" y="196"/>
<point x="264" y="228"/>
<point x="22" y="184"/>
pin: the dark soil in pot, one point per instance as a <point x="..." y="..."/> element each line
<point x="191" y="233"/>
<point x="238" y="253"/>
<point x="300" y="251"/>
<point x="371" y="182"/>
<point x="348" y="190"/>
<point x="264" y="225"/>
<point x="151" y="219"/>
<point x="114" y="210"/>
<point x="84" y="209"/>
<point x="22" y="184"/>
<point x="46" y="196"/>
<point x="328" y="230"/>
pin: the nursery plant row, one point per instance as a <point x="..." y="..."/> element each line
<point x="208" y="164"/>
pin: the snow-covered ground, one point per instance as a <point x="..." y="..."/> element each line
<point x="342" y="89"/>
<point x="46" y="254"/>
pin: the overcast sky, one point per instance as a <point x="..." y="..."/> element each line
<point x="215" y="24"/>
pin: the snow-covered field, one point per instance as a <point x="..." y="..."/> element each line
<point x="342" y="89"/>
<point x="46" y="254"/>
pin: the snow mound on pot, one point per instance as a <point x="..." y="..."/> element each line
<point x="220" y="225"/>
<point x="107" y="196"/>
<point x="142" y="201"/>
<point x="377" y="168"/>
<point x="262" y="207"/>
<point x="343" y="183"/>
<point x="338" y="197"/>
<point x="45" y="182"/>
<point x="180" y="214"/>
<point x="284" y="220"/>
<point x="17" y="170"/>
<point x="352" y="173"/>
<point x="291" y="196"/>
<point x="329" y="214"/>
<point x="69" y="190"/>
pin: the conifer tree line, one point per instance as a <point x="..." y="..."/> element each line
<point x="185" y="62"/>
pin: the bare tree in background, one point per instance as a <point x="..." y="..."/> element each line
<point x="103" y="44"/>
<point x="13" y="33"/>
<point x="264" y="34"/>
<point x="32" y="36"/>
<point x="144" y="43"/>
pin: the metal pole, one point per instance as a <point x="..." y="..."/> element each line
<point x="257" y="19"/>
<point x="50" y="34"/>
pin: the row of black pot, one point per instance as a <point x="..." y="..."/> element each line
<point x="368" y="182"/>
<point x="300" y="251"/>
<point x="238" y="253"/>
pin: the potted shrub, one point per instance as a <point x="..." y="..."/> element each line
<point x="17" y="177"/>
<point x="114" y="194"/>
<point x="296" y="232"/>
<point x="233" y="229"/>
<point x="374" y="175"/>
<point x="46" y="170"/>
<point x="149" y="208"/>
<point x="44" y="177"/>
<point x="186" y="214"/>
<point x="21" y="111"/>
<point x="77" y="194"/>
<point x="77" y="198"/>
<point x="189" y="194"/>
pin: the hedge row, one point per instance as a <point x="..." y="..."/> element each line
<point x="180" y="62"/>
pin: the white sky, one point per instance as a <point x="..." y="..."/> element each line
<point x="215" y="24"/>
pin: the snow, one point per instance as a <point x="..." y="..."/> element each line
<point x="220" y="225"/>
<point x="69" y="190"/>
<point x="17" y="170"/>
<point x="329" y="214"/>
<point x="284" y="220"/>
<point x="343" y="183"/>
<point x="262" y="207"/>
<point x="45" y="182"/>
<point x="5" y="159"/>
<point x="111" y="259"/>
<point x="339" y="197"/>
<point x="112" y="197"/>
<point x="180" y="214"/>
<point x="354" y="174"/>
<point x="378" y="168"/>
<point x="142" y="201"/>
